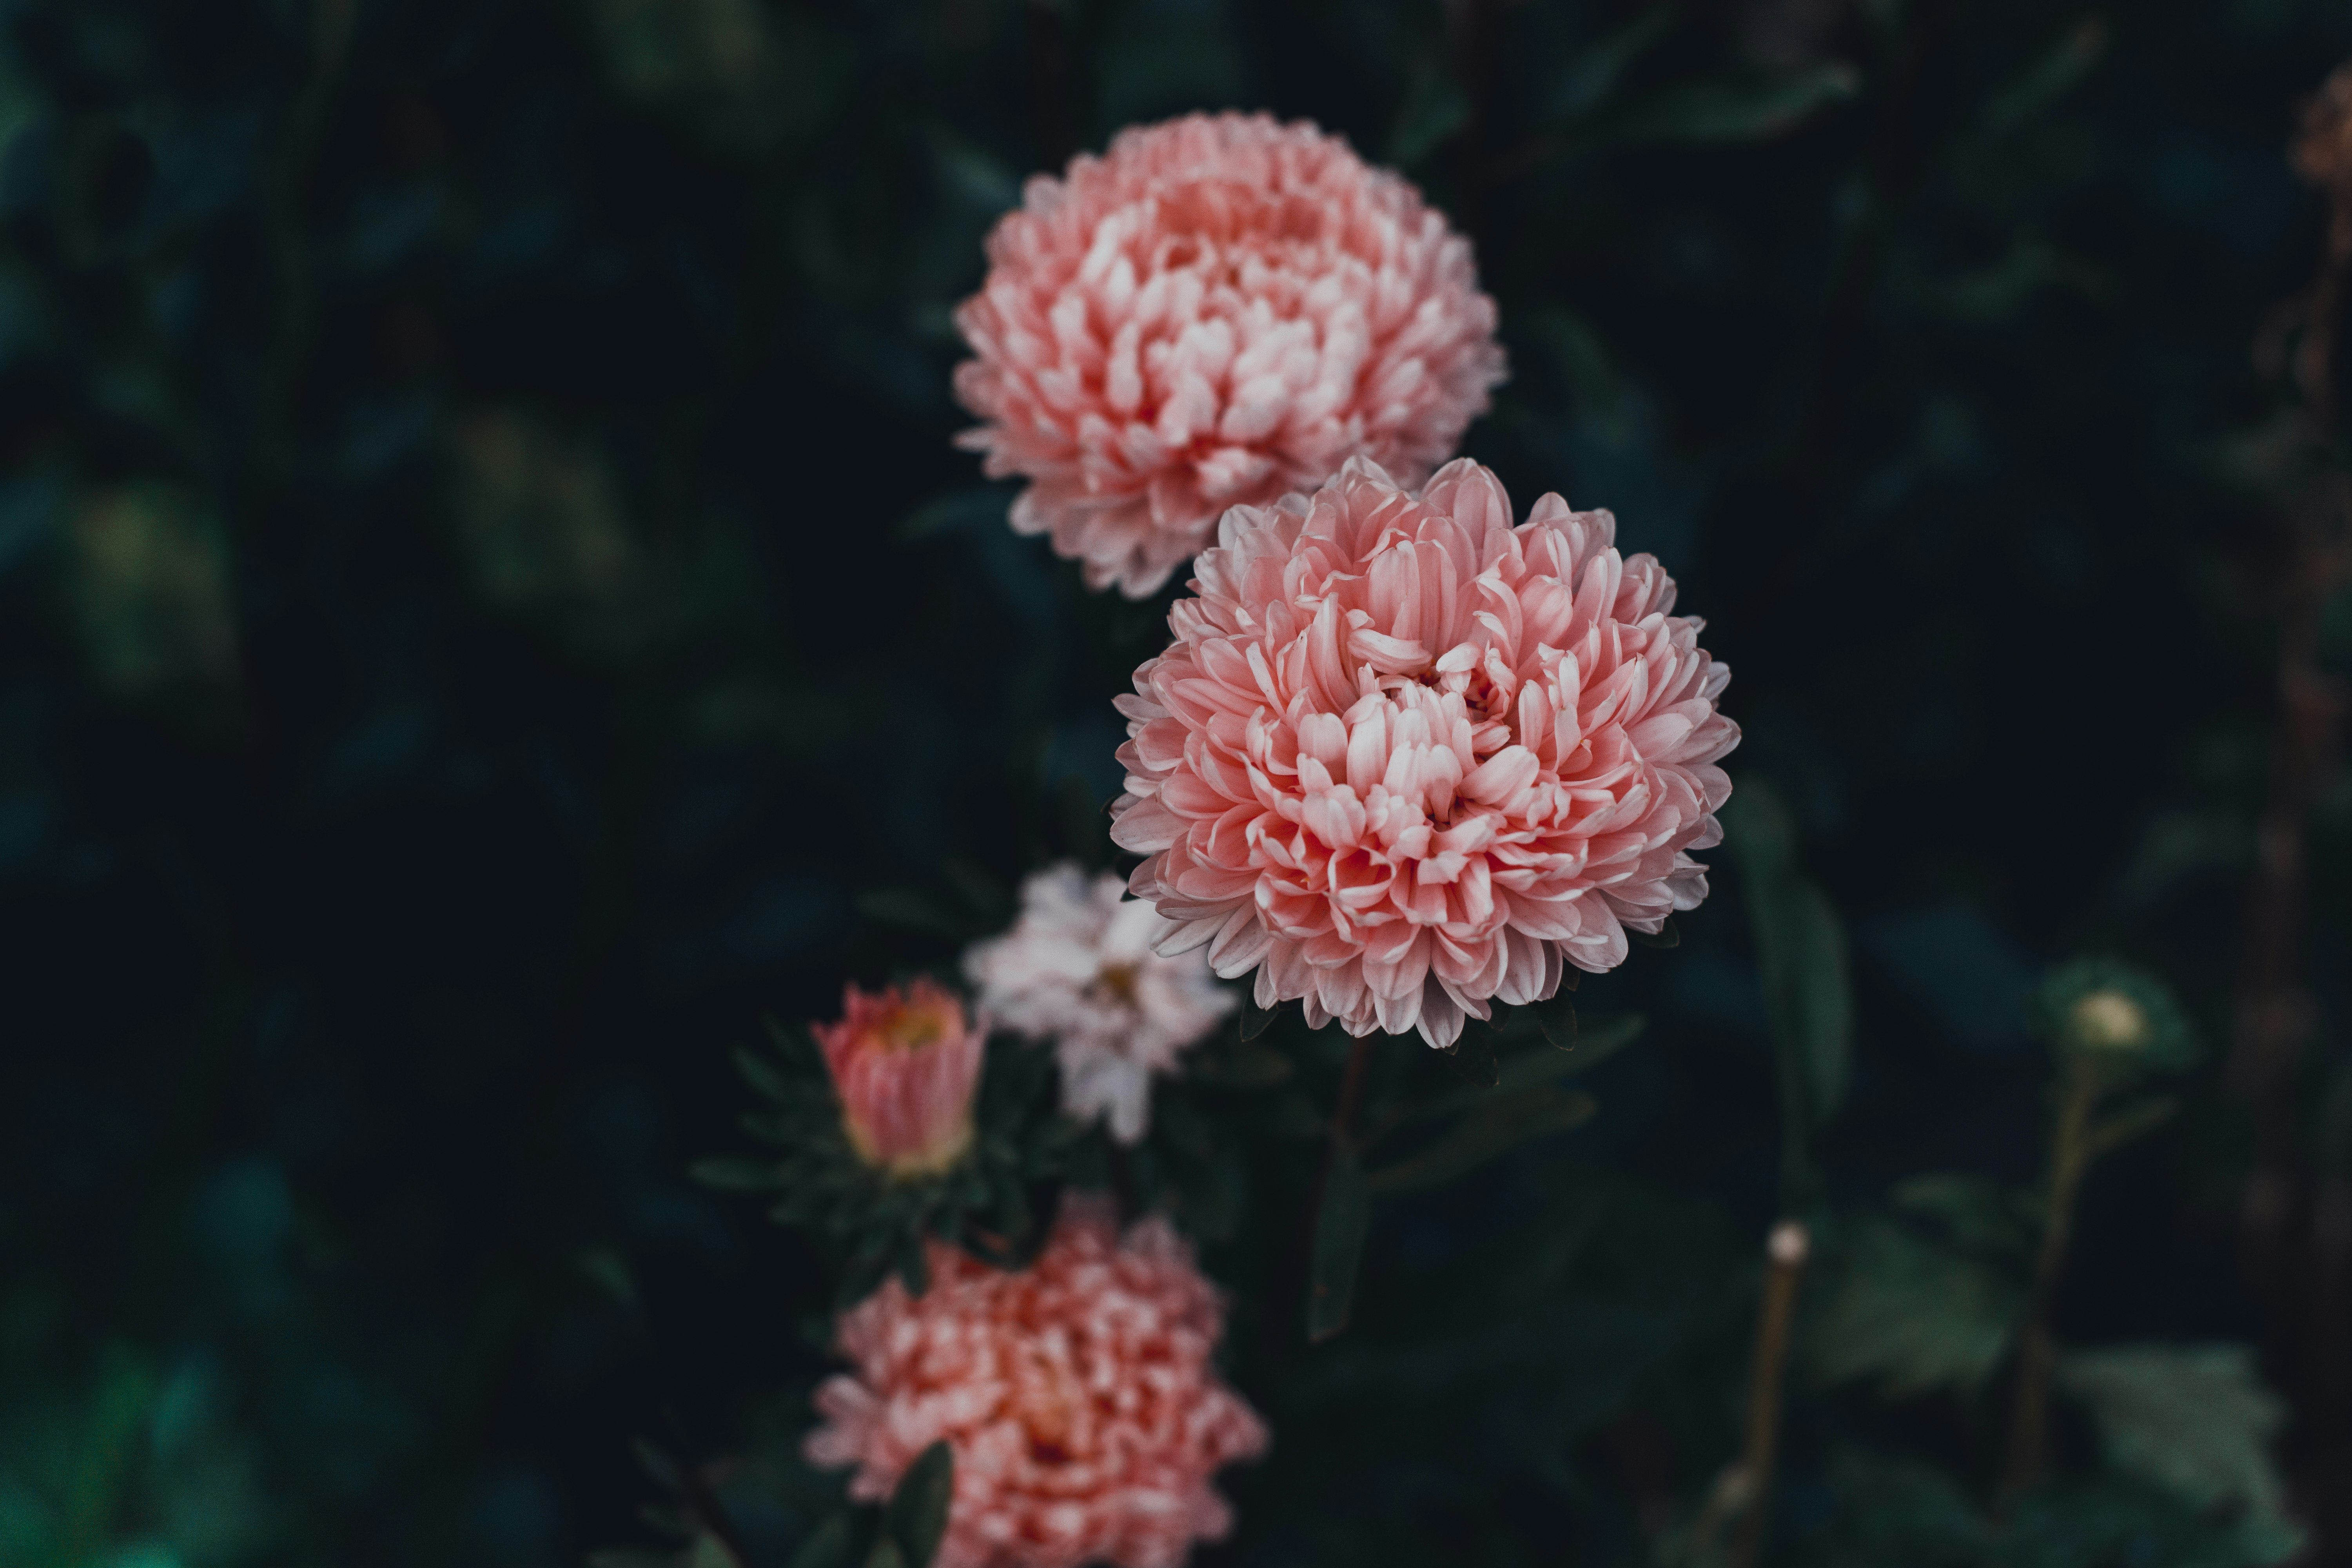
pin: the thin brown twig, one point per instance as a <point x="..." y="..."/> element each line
<point x="1785" y="1251"/>
<point x="2028" y="1453"/>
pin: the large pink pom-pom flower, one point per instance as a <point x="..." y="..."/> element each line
<point x="1405" y="759"/>
<point x="1078" y="1396"/>
<point x="1216" y="310"/>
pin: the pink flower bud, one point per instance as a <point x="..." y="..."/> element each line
<point x="905" y="1061"/>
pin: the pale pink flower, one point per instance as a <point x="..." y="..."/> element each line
<point x="1078" y="968"/>
<point x="905" y="1062"/>
<point x="1216" y="310"/>
<point x="1405" y="759"/>
<point x="1077" y="1395"/>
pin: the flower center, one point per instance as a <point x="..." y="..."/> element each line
<point x="1115" y="983"/>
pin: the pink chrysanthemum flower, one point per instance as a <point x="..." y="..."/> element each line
<point x="1078" y="968"/>
<point x="1077" y="1395"/>
<point x="1218" y="309"/>
<point x="905" y="1062"/>
<point x="1405" y="759"/>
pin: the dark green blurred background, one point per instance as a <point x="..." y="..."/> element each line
<point x="490" y="601"/>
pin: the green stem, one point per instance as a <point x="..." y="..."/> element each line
<point x="2070" y="1157"/>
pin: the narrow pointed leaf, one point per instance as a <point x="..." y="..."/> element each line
<point x="916" y="1515"/>
<point x="1667" y="935"/>
<point x="1556" y="1016"/>
<point x="1255" y="1020"/>
<point x="1492" y="1131"/>
<point x="763" y="1075"/>
<point x="828" y="1546"/>
<point x="1341" y="1225"/>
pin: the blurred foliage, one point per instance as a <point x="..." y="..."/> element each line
<point x="493" y="612"/>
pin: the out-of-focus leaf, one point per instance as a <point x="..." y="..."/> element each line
<point x="1556" y="1016"/>
<point x="1980" y="1217"/>
<point x="1341" y="1221"/>
<point x="828" y="1546"/>
<point x="1522" y="1070"/>
<point x="917" y="1514"/>
<point x="2048" y="77"/>
<point x="1884" y="1510"/>
<point x="1594" y="72"/>
<point x="710" y="1551"/>
<point x="1737" y="111"/>
<point x="147" y="581"/>
<point x="1487" y="1132"/>
<point x="1914" y="1316"/>
<point x="748" y="77"/>
<point x="2196" y="1419"/>
<point x="981" y="505"/>
<point x="1801" y="954"/>
<point x="1667" y="935"/>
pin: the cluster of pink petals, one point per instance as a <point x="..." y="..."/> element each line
<point x="1405" y="759"/>
<point x="1078" y="1396"/>
<point x="905" y="1063"/>
<point x="1218" y="309"/>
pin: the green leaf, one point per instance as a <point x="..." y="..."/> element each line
<point x="1800" y="957"/>
<point x="710" y="1551"/>
<point x="1523" y="1070"/>
<point x="828" y="1546"/>
<point x="1255" y="1020"/>
<point x="2194" y="1419"/>
<point x="1487" y="1132"/>
<point x="981" y="505"/>
<point x="764" y="1075"/>
<point x="1435" y="108"/>
<point x="917" y="1514"/>
<point x="734" y="1173"/>
<point x="1594" y="72"/>
<point x="2049" y="77"/>
<point x="1749" y="110"/>
<point x="1667" y="935"/>
<point x="1556" y="1016"/>
<point x="1915" y="1316"/>
<point x="885" y="1554"/>
<point x="1342" y="1223"/>
<point x="1980" y="1217"/>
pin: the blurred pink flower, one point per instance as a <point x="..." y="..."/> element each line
<point x="1405" y="758"/>
<point x="1077" y="1395"/>
<point x="1077" y="969"/>
<point x="1216" y="310"/>
<point x="905" y="1062"/>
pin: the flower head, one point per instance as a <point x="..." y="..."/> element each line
<point x="905" y="1062"/>
<point x="1403" y="758"/>
<point x="1216" y="310"/>
<point x="2114" y="1014"/>
<point x="1077" y="1395"/>
<point x="1078" y="968"/>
